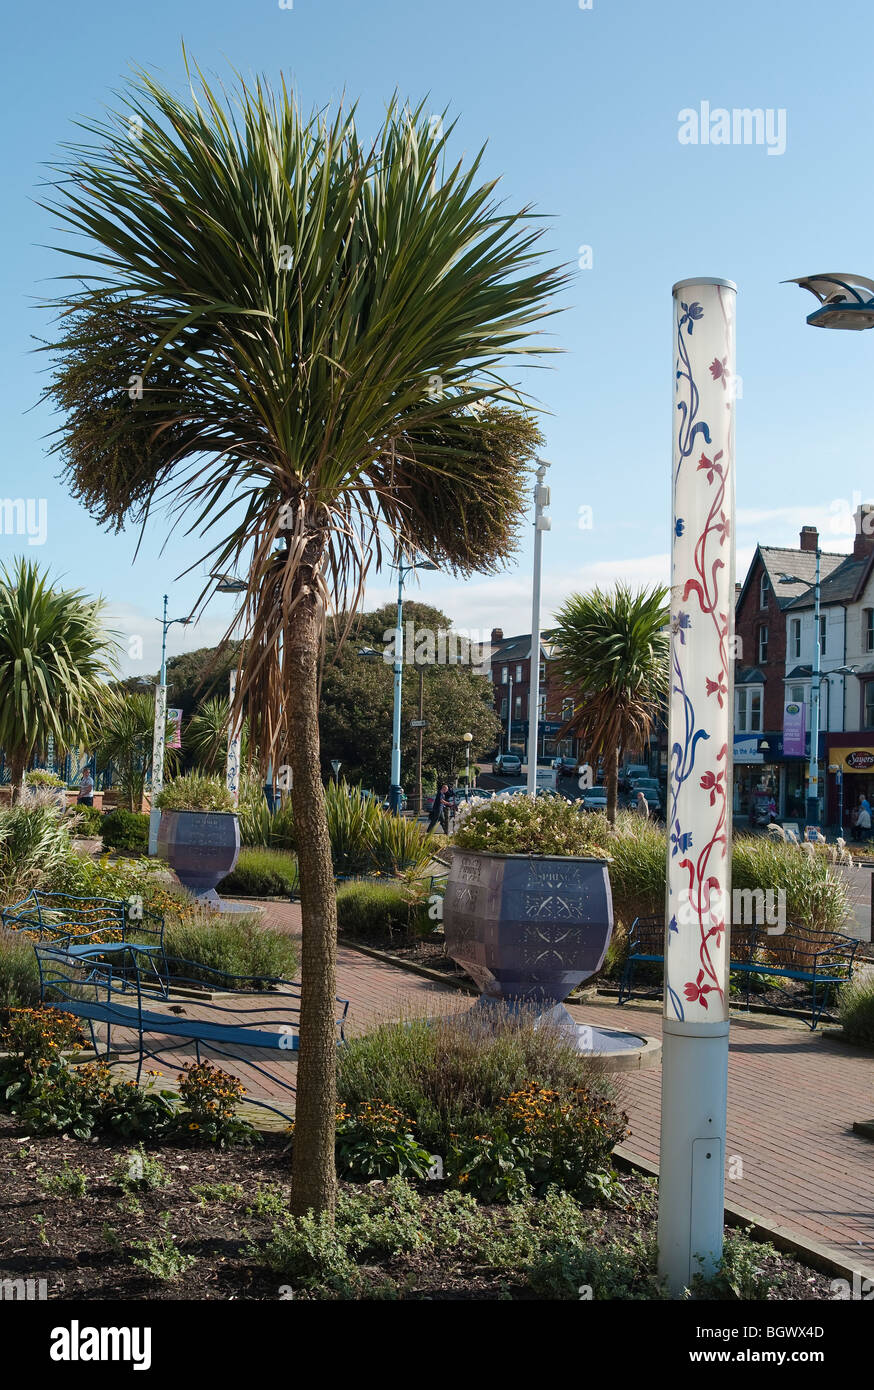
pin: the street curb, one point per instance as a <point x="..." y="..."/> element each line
<point x="782" y="1237"/>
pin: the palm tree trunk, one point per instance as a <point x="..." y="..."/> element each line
<point x="313" y="1178"/>
<point x="612" y="780"/>
<point x="17" y="764"/>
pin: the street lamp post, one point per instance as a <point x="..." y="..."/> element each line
<point x="160" y="729"/>
<point x="815" y="679"/>
<point x="697" y="915"/>
<point x="468" y="739"/>
<point x="396" y="791"/>
<point x="541" y="523"/>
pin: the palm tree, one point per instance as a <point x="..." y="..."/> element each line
<point x="613" y="650"/>
<point x="54" y="658"/>
<point x="297" y="340"/>
<point x="207" y="734"/>
<point x="122" y="734"/>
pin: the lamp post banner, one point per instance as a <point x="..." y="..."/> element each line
<point x="232" y="762"/>
<point x="697" y="919"/>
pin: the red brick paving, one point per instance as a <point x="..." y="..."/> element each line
<point x="792" y="1099"/>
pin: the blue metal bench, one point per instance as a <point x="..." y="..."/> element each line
<point x="68" y="915"/>
<point x="821" y="959"/>
<point x="76" y="977"/>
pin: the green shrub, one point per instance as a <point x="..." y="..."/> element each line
<point x="39" y="777"/>
<point x="261" y="873"/>
<point x="208" y="1099"/>
<point x="237" y="945"/>
<point x="525" y="825"/>
<point x="125" y="830"/>
<point x="85" y="820"/>
<point x="67" y="1182"/>
<point x="816" y="893"/>
<point x="400" y="846"/>
<point x="618" y="1269"/>
<point x="19" y="972"/>
<point x="742" y="1272"/>
<point x="542" y="1137"/>
<point x="195" y="792"/>
<point x="261" y="827"/>
<point x="34" y="843"/>
<point x="856" y="1010"/>
<point x="376" y="1141"/>
<point x="450" y="1076"/>
<point x="380" y="911"/>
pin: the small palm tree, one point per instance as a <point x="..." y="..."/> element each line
<point x="122" y="734"/>
<point x="55" y="656"/>
<point x="613" y="650"/>
<point x="297" y="339"/>
<point x="206" y="737"/>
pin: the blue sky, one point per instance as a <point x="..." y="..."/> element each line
<point x="580" y="110"/>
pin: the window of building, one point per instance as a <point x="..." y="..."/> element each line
<point x="543" y="671"/>
<point x="764" y="590"/>
<point x="868" y="721"/>
<point x="798" y="694"/>
<point x="748" y="709"/>
<point x="505" y="672"/>
<point x="504" y="708"/>
<point x="541" y="705"/>
<point x="868" y="629"/>
<point x="822" y="632"/>
<point x="795" y="637"/>
<point x="763" y="645"/>
<point x="517" y="712"/>
<point x="567" y="708"/>
<point x="518" y="672"/>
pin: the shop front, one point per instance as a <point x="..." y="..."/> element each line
<point x="851" y="770"/>
<point x="757" y="775"/>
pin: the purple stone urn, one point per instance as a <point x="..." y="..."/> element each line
<point x="528" y="928"/>
<point x="201" y="847"/>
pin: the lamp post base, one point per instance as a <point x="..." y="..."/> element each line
<point x="813" y="811"/>
<point x="692" y="1156"/>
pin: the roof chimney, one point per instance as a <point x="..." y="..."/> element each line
<point x="809" y="538"/>
<point x="497" y="634"/>
<point x="864" y="542"/>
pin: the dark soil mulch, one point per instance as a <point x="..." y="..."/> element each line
<point x="428" y="951"/>
<point x="84" y="1246"/>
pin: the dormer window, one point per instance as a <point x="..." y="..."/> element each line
<point x="764" y="591"/>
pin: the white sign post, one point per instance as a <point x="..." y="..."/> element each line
<point x="232" y="766"/>
<point x="697" y="918"/>
<point x="158" y="739"/>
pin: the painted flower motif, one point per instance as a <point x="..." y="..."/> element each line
<point x="680" y="839"/>
<point x="672" y="926"/>
<point x="717" y="688"/>
<point x="679" y="526"/>
<point x="691" y="314"/>
<point x="722" y="527"/>
<point x="697" y="993"/>
<point x="710" y="783"/>
<point x="710" y="466"/>
<point x="720" y="371"/>
<point x="680" y="624"/>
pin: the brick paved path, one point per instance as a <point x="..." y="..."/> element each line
<point x="792" y="1099"/>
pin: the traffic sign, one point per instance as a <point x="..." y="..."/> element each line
<point x="418" y="723"/>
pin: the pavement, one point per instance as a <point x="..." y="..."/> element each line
<point x="792" y="1157"/>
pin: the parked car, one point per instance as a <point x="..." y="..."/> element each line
<point x="522" y="790"/>
<point x="566" y="767"/>
<point x="594" y="799"/>
<point x="507" y="765"/>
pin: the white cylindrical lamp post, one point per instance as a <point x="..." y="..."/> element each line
<point x="698" y="898"/>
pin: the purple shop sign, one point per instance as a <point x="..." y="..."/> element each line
<point x="794" y="729"/>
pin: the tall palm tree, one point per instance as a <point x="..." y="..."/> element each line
<point x="613" y="649"/>
<point x="297" y="340"/>
<point x="55" y="656"/>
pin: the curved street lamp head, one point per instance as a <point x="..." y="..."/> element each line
<point x="846" y="301"/>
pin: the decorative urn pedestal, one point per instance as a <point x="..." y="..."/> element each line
<point x="201" y="847"/>
<point x="528" y="929"/>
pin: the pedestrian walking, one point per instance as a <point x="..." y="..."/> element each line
<point x="863" y="820"/>
<point x="439" y="811"/>
<point x="642" y="808"/>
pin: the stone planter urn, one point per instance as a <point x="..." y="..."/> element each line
<point x="528" y="928"/>
<point x="201" y="847"/>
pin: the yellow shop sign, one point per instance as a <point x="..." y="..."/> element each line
<point x="853" y="759"/>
